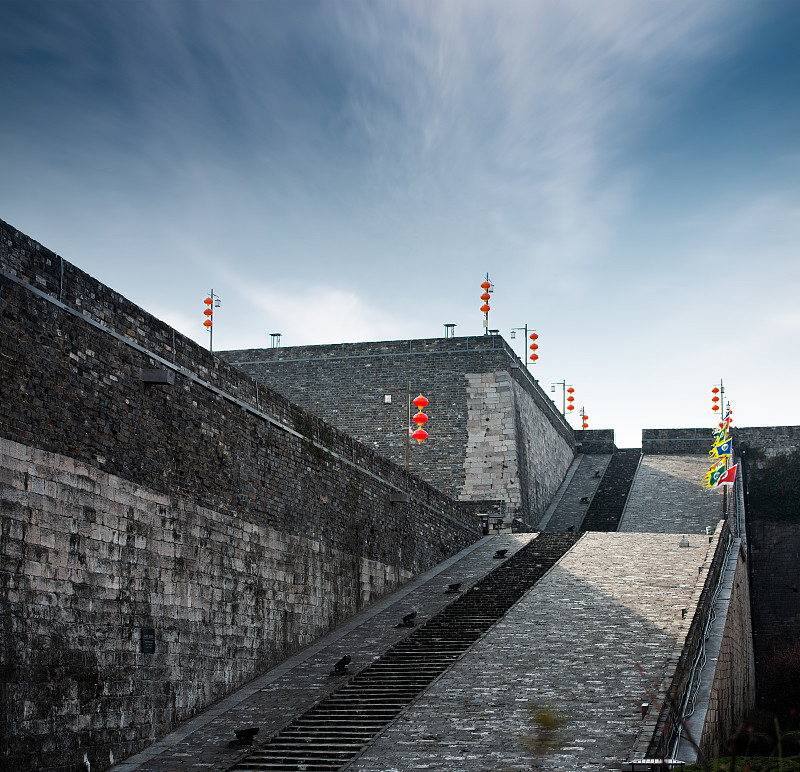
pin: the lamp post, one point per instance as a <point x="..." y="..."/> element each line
<point x="719" y="396"/>
<point x="563" y="384"/>
<point x="419" y="418"/>
<point x="533" y="337"/>
<point x="487" y="288"/>
<point x="212" y="302"/>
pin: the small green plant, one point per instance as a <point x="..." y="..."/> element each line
<point x="547" y="735"/>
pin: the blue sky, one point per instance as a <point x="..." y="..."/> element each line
<point x="627" y="172"/>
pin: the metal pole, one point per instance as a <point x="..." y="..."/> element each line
<point x="525" y="354"/>
<point x="408" y="419"/>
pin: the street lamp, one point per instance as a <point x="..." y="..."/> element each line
<point x="487" y="288"/>
<point x="563" y="384"/>
<point x="533" y="337"/>
<point x="212" y="302"/>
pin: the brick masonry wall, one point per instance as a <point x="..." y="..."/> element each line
<point x="775" y="549"/>
<point x="595" y="440"/>
<point x="208" y="508"/>
<point x="682" y="442"/>
<point x="543" y="456"/>
<point x="774" y="535"/>
<point x="771" y="440"/>
<point x="733" y="688"/>
<point x="467" y="380"/>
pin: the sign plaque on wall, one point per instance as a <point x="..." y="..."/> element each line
<point x="148" y="640"/>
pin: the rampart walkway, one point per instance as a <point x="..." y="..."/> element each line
<point x="587" y="643"/>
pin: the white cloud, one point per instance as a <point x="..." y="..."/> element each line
<point x="315" y="314"/>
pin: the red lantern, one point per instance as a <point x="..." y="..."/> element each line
<point x="570" y="390"/>
<point x="533" y="336"/>
<point x="207" y="323"/>
<point x="420" y="435"/>
<point x="570" y="407"/>
<point x="533" y="347"/>
<point x="486" y="285"/>
<point x="208" y="301"/>
<point x="715" y="390"/>
<point x="715" y="407"/>
<point x="420" y="402"/>
<point x="419" y="419"/>
<point x="534" y="357"/>
<point x="208" y="312"/>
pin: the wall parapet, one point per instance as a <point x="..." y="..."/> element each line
<point x="682" y="442"/>
<point x="669" y="722"/>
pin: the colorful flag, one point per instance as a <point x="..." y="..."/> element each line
<point x="715" y="466"/>
<point x="714" y="477"/>
<point x="729" y="477"/>
<point x="721" y="449"/>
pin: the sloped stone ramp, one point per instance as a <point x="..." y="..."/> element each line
<point x="335" y="730"/>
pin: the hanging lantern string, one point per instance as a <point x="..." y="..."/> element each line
<point x="420" y="418"/>
<point x="534" y="347"/>
<point x="486" y="285"/>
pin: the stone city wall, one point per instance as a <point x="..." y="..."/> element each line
<point x="682" y="442"/>
<point x="732" y="693"/>
<point x="771" y="456"/>
<point x="147" y="485"/>
<point x="599" y="441"/>
<point x="495" y="438"/>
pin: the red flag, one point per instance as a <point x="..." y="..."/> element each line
<point x="728" y="477"/>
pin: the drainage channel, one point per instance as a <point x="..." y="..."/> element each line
<point x="334" y="731"/>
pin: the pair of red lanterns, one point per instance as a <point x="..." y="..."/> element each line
<point x="420" y="418"/>
<point x="585" y="423"/>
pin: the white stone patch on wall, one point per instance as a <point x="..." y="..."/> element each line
<point x="490" y="462"/>
<point x="376" y="577"/>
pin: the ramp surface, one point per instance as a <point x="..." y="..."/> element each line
<point x="667" y="496"/>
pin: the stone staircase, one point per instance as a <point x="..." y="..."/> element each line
<point x="333" y="732"/>
<point x="573" y="502"/>
<point x="608" y="504"/>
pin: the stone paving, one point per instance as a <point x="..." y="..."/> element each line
<point x="667" y="497"/>
<point x="593" y="640"/>
<point x="274" y="699"/>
